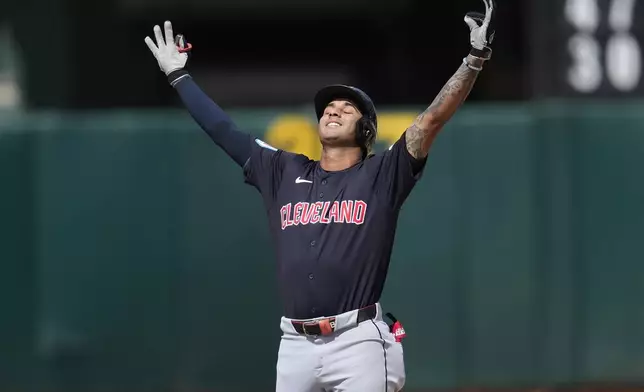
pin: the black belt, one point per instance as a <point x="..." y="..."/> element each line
<point x="326" y="326"/>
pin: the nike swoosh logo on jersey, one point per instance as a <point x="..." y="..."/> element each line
<point x="300" y="181"/>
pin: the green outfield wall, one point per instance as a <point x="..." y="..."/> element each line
<point x="134" y="258"/>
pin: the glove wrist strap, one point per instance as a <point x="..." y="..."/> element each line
<point x="175" y="76"/>
<point x="485" y="53"/>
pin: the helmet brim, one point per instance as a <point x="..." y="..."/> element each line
<point x="339" y="91"/>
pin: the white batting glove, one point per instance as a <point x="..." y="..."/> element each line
<point x="166" y="52"/>
<point x="481" y="33"/>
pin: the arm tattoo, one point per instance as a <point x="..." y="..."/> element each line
<point x="420" y="135"/>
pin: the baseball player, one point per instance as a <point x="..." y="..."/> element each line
<point x="333" y="220"/>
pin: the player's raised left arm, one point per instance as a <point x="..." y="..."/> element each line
<point x="420" y="135"/>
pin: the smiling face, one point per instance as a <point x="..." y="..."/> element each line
<point x="337" y="126"/>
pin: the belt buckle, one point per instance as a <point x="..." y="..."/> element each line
<point x="326" y="326"/>
<point x="310" y="324"/>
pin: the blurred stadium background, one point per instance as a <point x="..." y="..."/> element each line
<point x="133" y="257"/>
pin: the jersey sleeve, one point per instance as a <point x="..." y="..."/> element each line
<point x="263" y="170"/>
<point x="398" y="172"/>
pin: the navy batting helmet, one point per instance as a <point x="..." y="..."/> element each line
<point x="367" y="126"/>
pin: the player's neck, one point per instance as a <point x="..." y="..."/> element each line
<point x="339" y="158"/>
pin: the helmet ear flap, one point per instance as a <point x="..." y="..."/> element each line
<point x="365" y="135"/>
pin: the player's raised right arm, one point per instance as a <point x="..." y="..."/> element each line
<point x="214" y="121"/>
<point x="210" y="117"/>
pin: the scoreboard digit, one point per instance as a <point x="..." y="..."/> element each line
<point x="594" y="48"/>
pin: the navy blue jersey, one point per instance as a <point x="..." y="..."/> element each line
<point x="333" y="231"/>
